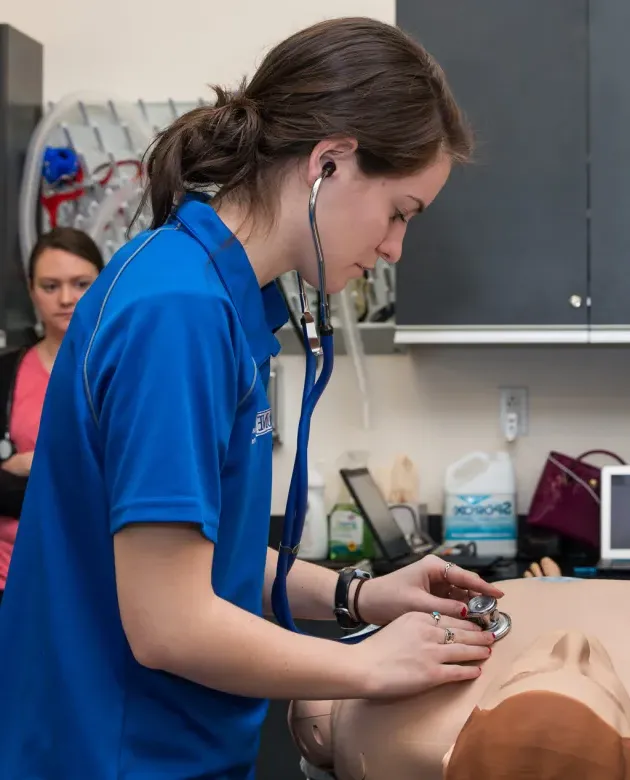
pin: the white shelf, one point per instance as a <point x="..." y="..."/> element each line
<point x="377" y="338"/>
<point x="410" y="336"/>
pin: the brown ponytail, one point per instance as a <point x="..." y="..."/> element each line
<point x="356" y="77"/>
<point x="208" y="147"/>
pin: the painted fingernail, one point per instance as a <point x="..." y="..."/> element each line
<point x="494" y="636"/>
<point x="464" y="612"/>
<point x="489" y="651"/>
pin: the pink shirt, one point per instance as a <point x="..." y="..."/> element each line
<point x="28" y="399"/>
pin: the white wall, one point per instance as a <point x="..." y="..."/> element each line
<point x="154" y="49"/>
<point x="439" y="403"/>
<point x="433" y="405"/>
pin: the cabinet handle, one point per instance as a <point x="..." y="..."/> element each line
<point x="575" y="301"/>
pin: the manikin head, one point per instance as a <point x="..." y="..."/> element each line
<point x="355" y="91"/>
<point x="311" y="728"/>
<point x="560" y="712"/>
<point x="63" y="264"/>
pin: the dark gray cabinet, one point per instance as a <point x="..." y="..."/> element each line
<point x="21" y="98"/>
<point x="609" y="120"/>
<point x="532" y="230"/>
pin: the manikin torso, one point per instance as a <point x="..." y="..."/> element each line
<point x="408" y="739"/>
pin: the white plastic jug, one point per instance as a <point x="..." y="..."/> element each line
<point x="480" y="503"/>
<point x="314" y="544"/>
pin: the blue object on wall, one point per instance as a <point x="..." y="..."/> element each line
<point x="60" y="163"/>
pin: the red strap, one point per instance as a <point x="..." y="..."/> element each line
<point x="602" y="452"/>
<point x="52" y="202"/>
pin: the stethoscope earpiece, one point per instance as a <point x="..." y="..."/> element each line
<point x="329" y="168"/>
<point x="483" y="611"/>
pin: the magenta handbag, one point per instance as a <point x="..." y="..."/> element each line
<point x="567" y="497"/>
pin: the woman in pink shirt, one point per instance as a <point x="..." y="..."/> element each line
<point x="62" y="265"/>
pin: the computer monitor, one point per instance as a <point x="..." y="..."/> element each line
<point x="376" y="512"/>
<point x="615" y="513"/>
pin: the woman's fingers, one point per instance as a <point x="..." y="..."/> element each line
<point x="464" y="637"/>
<point x="459" y="653"/>
<point x="461" y="634"/>
<point x="482" y="638"/>
<point x="448" y="673"/>
<point x="450" y="607"/>
<point x="458" y="594"/>
<point x="469" y="580"/>
<point x="459" y="625"/>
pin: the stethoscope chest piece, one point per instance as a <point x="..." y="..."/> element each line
<point x="483" y="611"/>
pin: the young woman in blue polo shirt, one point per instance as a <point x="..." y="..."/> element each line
<point x="133" y="642"/>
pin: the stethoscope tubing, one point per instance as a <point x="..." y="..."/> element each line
<point x="298" y="490"/>
<point x="312" y="391"/>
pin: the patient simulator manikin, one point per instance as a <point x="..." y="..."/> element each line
<point x="551" y="703"/>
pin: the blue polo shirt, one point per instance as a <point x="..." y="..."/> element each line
<point x="156" y="411"/>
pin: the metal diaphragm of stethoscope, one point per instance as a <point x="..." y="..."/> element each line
<point x="483" y="611"/>
<point x="317" y="345"/>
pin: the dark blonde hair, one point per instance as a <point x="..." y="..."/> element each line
<point x="71" y="240"/>
<point x="353" y="77"/>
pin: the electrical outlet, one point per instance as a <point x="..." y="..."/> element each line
<point x="513" y="411"/>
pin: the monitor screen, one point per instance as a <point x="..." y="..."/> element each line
<point x="376" y="512"/>
<point x="620" y="511"/>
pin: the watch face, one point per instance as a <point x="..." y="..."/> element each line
<point x="345" y="619"/>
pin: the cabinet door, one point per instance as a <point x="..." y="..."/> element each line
<point x="609" y="158"/>
<point x="21" y="98"/>
<point x="505" y="243"/>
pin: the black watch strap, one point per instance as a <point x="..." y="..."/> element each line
<point x="342" y="596"/>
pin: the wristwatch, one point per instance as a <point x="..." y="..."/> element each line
<point x="342" y="593"/>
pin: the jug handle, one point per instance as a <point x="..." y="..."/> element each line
<point x="477" y="455"/>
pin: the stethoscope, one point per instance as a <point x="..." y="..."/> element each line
<point x="316" y="346"/>
<point x="482" y="609"/>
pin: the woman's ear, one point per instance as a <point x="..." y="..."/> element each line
<point x="339" y="150"/>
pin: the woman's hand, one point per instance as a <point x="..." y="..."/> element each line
<point x="415" y="653"/>
<point x="425" y="586"/>
<point x="19" y="464"/>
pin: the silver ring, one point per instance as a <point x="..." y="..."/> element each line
<point x="446" y="568"/>
<point x="449" y="636"/>
<point x="436" y="616"/>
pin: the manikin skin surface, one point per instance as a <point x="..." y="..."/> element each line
<point x="566" y="637"/>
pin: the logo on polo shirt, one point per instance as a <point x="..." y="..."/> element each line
<point x="263" y="425"/>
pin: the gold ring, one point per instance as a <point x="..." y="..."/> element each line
<point x="446" y="568"/>
<point x="449" y="636"/>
